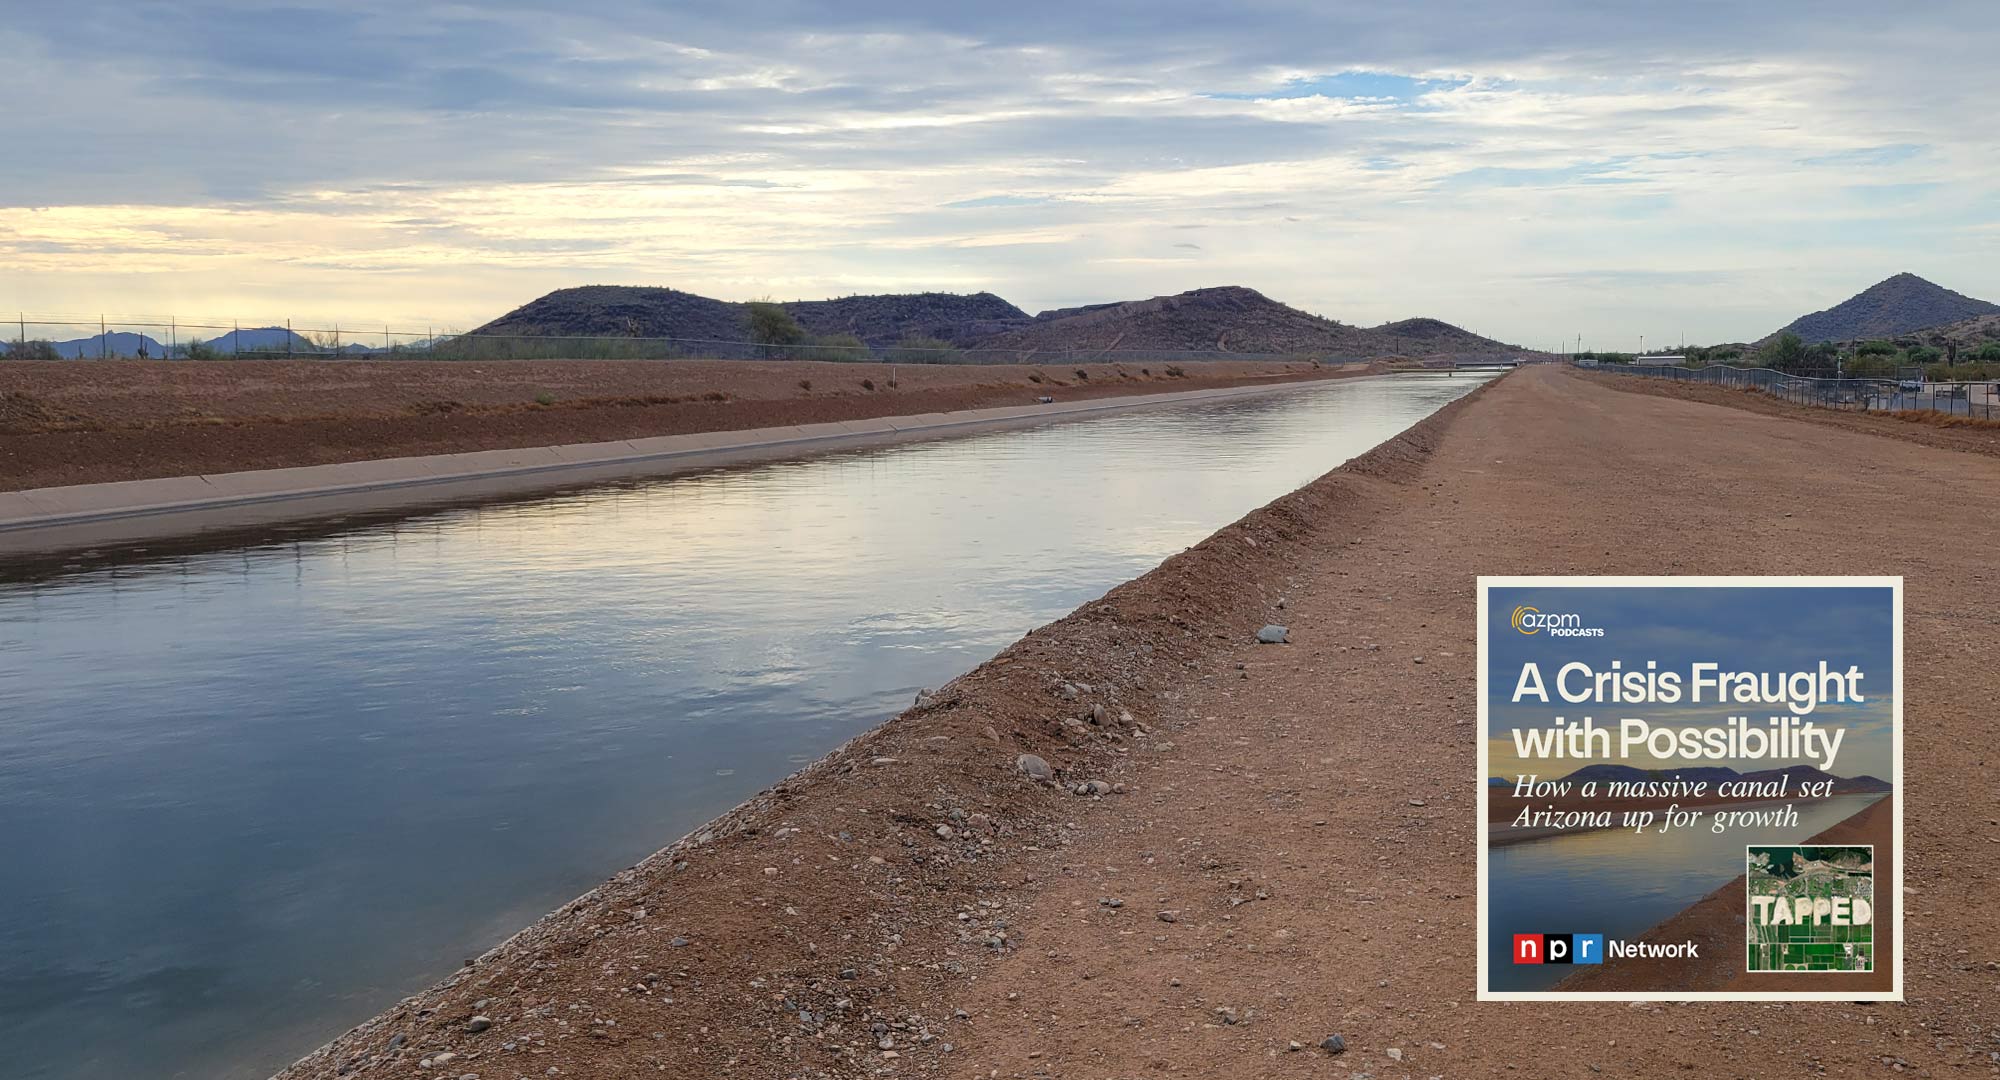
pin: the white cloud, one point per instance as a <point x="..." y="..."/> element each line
<point x="1567" y="169"/>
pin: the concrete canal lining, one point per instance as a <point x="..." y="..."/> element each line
<point x="57" y="518"/>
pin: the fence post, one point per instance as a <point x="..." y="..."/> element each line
<point x="288" y="339"/>
<point x="103" y="339"/>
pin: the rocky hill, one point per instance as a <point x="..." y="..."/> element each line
<point x="1899" y="305"/>
<point x="1977" y="330"/>
<point x="629" y="311"/>
<point x="1226" y="319"/>
<point x="1229" y="319"/>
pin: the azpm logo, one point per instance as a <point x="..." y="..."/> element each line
<point x="1531" y="620"/>
<point x="1559" y="948"/>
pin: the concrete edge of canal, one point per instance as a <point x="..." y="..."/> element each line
<point x="59" y="518"/>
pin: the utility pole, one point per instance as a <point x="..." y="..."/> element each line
<point x="103" y="340"/>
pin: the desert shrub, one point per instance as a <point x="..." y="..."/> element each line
<point x="1082" y="375"/>
<point x="868" y="384"/>
<point x="836" y="347"/>
<point x="1869" y="366"/>
<point x="770" y="324"/>
<point x="921" y="350"/>
<point x="32" y="350"/>
<point x="805" y="384"/>
<point x="545" y="399"/>
<point x="1988" y="353"/>
<point x="1923" y="354"/>
<point x="1875" y="348"/>
<point x="200" y="350"/>
<point x="1976" y="372"/>
<point x="1787" y="353"/>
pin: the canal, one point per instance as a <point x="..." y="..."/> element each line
<point x="252" y="794"/>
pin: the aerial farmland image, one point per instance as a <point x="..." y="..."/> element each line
<point x="825" y="541"/>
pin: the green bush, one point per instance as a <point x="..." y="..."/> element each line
<point x="1923" y="354"/>
<point x="1869" y="366"/>
<point x="1979" y="372"/>
<point x="1876" y="348"/>
<point x="1988" y="353"/>
<point x="836" y="347"/>
<point x="770" y="324"/>
<point x="200" y="350"/>
<point x="921" y="350"/>
<point x="1787" y="353"/>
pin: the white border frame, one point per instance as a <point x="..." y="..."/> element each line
<point x="1893" y="584"/>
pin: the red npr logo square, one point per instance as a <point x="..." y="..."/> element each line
<point x="1527" y="948"/>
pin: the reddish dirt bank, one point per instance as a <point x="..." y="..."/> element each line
<point x="1923" y="428"/>
<point x="80" y="423"/>
<point x="1292" y="855"/>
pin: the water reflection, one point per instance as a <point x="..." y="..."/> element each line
<point x="253" y="794"/>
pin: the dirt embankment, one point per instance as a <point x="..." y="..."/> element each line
<point x="81" y="422"/>
<point x="1924" y="428"/>
<point x="1292" y="854"/>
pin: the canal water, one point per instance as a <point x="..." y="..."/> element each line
<point x="1616" y="883"/>
<point x="251" y="795"/>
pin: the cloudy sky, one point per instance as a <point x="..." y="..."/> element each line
<point x="1532" y="170"/>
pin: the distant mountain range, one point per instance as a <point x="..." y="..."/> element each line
<point x="1226" y="319"/>
<point x="1891" y="308"/>
<point x="263" y="339"/>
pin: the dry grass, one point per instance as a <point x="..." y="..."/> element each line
<point x="1933" y="418"/>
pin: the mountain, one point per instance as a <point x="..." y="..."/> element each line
<point x="115" y="343"/>
<point x="1230" y="318"/>
<point x="1975" y="331"/>
<point x="631" y="311"/>
<point x="1227" y="319"/>
<point x="261" y="339"/>
<point x="887" y="319"/>
<point x="1898" y="305"/>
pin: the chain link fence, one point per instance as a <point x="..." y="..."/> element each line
<point x="1910" y="392"/>
<point x="152" y="338"/>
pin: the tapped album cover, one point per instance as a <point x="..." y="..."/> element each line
<point x="1690" y="788"/>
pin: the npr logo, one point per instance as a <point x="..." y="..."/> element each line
<point x="1559" y="948"/>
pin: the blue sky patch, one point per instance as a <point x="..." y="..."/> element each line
<point x="1351" y="86"/>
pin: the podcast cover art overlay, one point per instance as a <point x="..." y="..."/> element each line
<point x="1690" y="788"/>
